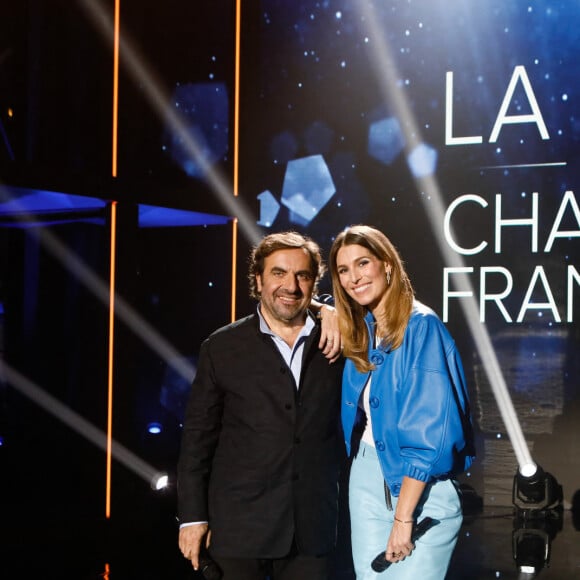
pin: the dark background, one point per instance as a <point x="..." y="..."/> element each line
<point x="309" y="87"/>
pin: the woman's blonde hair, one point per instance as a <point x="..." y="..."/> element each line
<point x="397" y="301"/>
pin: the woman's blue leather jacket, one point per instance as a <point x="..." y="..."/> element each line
<point x="418" y="403"/>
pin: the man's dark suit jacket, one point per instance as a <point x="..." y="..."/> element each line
<point x="260" y="458"/>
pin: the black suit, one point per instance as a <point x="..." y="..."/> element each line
<point x="260" y="458"/>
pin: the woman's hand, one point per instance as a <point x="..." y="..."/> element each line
<point x="399" y="545"/>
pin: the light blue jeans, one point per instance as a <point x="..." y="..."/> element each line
<point x="371" y="523"/>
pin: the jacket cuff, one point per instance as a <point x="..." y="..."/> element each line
<point x="416" y="473"/>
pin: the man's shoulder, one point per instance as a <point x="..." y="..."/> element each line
<point x="234" y="329"/>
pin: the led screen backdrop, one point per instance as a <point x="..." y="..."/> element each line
<point x="454" y="127"/>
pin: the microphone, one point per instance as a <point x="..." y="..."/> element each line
<point x="209" y="569"/>
<point x="379" y="564"/>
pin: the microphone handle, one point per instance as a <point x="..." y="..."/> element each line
<point x="379" y="564"/>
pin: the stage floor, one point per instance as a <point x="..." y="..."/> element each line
<point x="143" y="546"/>
<point x="53" y="525"/>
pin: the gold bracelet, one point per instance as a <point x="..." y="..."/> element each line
<point x="404" y="521"/>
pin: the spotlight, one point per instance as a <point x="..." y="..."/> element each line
<point x="154" y="428"/>
<point x="159" y="481"/>
<point x="538" y="499"/>
<point x="535" y="492"/>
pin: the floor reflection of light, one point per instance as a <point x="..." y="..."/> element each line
<point x="106" y="573"/>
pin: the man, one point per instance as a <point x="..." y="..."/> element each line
<point x="261" y="449"/>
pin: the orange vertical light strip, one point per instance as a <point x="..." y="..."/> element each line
<point x="116" y="86"/>
<point x="113" y="245"/>
<point x="113" y="250"/>
<point x="237" y="96"/>
<point x="236" y="150"/>
<point x="234" y="265"/>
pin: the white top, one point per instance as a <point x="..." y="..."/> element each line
<point x="367" y="435"/>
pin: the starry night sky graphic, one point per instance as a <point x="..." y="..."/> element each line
<point x="318" y="91"/>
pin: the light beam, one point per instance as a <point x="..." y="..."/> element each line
<point x="387" y="77"/>
<point x="78" y="423"/>
<point x="144" y="76"/>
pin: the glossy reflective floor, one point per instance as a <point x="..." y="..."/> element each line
<point x="71" y="544"/>
<point x="52" y="523"/>
<point x="489" y="542"/>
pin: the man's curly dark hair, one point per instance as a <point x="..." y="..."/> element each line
<point x="283" y="241"/>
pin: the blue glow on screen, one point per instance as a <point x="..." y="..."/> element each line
<point x="31" y="207"/>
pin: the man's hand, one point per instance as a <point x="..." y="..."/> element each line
<point x="330" y="340"/>
<point x="190" y="538"/>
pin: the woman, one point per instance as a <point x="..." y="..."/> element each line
<point x="403" y="370"/>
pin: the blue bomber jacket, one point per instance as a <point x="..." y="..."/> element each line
<point x="418" y="403"/>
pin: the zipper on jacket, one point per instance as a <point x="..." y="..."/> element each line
<point x="388" y="500"/>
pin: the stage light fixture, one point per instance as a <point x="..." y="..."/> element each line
<point x="538" y="498"/>
<point x="159" y="481"/>
<point x="535" y="492"/>
<point x="154" y="428"/>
